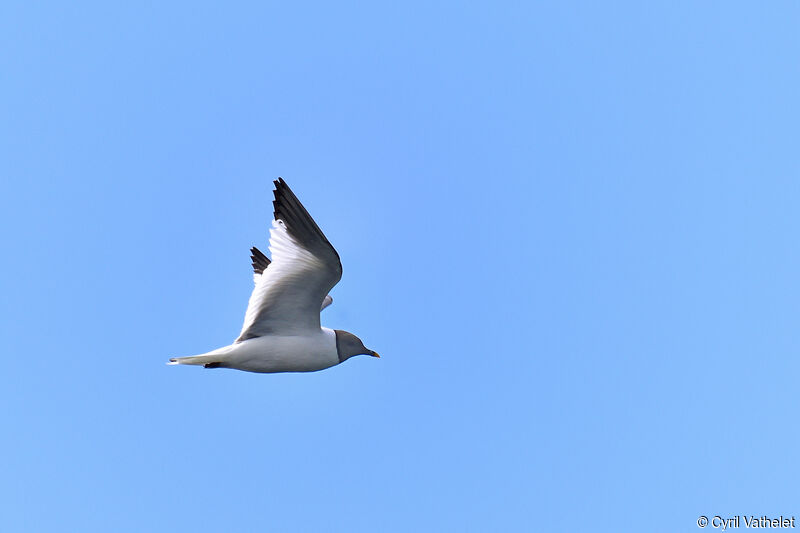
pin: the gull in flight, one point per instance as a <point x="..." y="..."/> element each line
<point x="281" y="331"/>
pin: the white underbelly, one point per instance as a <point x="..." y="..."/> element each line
<point x="273" y="353"/>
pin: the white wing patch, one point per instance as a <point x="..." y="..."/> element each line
<point x="291" y="289"/>
<point x="325" y="303"/>
<point x="281" y="289"/>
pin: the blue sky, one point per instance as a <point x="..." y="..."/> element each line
<point x="569" y="228"/>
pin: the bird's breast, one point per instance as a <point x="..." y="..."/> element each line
<point x="286" y="353"/>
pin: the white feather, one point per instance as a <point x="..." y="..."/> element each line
<point x="286" y="297"/>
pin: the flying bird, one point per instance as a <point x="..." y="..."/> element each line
<point x="281" y="331"/>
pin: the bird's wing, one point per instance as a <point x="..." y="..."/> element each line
<point x="260" y="264"/>
<point x="292" y="288"/>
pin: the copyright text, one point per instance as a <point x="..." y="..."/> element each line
<point x="748" y="522"/>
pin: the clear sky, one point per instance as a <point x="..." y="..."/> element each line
<point x="570" y="229"/>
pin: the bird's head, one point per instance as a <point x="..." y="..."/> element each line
<point x="348" y="345"/>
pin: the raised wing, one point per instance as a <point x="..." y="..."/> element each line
<point x="291" y="289"/>
<point x="260" y="264"/>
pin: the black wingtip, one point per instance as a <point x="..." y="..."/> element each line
<point x="298" y="222"/>
<point x="260" y="261"/>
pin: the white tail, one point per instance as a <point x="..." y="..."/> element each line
<point x="214" y="356"/>
<point x="193" y="360"/>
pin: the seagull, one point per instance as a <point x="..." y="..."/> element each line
<point x="281" y="331"/>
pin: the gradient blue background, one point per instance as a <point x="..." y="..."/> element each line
<point x="570" y="229"/>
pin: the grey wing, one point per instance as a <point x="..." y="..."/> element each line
<point x="292" y="289"/>
<point x="260" y="264"/>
